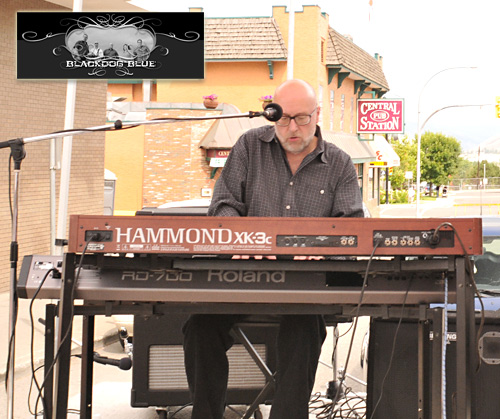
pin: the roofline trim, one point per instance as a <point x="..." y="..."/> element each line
<point x="343" y="68"/>
<point x="221" y="60"/>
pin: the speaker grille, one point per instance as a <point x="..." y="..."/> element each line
<point x="166" y="368"/>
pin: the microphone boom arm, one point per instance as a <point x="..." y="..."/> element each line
<point x="118" y="125"/>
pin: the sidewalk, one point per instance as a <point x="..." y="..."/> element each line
<point x="440" y="207"/>
<point x="105" y="333"/>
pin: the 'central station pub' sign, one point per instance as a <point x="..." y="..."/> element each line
<point x="380" y="116"/>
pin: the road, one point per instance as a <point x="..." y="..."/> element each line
<point x="465" y="203"/>
<point x="112" y="387"/>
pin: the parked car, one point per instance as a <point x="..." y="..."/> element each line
<point x="487" y="265"/>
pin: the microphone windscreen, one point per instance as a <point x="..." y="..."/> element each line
<point x="125" y="364"/>
<point x="273" y="112"/>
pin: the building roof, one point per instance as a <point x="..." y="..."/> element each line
<point x="260" y="39"/>
<point x="245" y="39"/>
<point x="224" y="133"/>
<point x="343" y="53"/>
<point x="360" y="151"/>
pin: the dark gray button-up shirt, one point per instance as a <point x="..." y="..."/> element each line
<point x="257" y="181"/>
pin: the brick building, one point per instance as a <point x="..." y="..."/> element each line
<point x="31" y="108"/>
<point x="246" y="58"/>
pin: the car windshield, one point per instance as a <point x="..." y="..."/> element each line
<point x="487" y="265"/>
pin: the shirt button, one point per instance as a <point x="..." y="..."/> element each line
<point x="287" y="207"/>
<point x="291" y="183"/>
<point x="321" y="191"/>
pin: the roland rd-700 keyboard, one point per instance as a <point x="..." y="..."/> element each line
<point x="149" y="278"/>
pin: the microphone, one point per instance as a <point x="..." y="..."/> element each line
<point x="272" y="112"/>
<point x="123" y="364"/>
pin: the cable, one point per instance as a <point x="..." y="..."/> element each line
<point x="358" y="308"/>
<point x="347" y="331"/>
<point x="32" y="323"/>
<point x="118" y="125"/>
<point x="115" y="127"/>
<point x="14" y="291"/>
<point x="443" y="353"/>
<point x="66" y="334"/>
<point x="434" y="238"/>
<point x="12" y="337"/>
<point x="472" y="283"/>
<point x="70" y="411"/>
<point x="330" y="410"/>
<point x="10" y="187"/>
<point x="352" y="406"/>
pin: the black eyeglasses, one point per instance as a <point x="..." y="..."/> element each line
<point x="284" y="121"/>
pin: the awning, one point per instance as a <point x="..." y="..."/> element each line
<point x="224" y="133"/>
<point x="385" y="156"/>
<point x="359" y="151"/>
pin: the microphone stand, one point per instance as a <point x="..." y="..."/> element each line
<point x="18" y="154"/>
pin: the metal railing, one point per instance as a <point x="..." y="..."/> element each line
<point x="474" y="183"/>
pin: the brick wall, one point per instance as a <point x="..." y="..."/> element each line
<point x="174" y="166"/>
<point x="32" y="108"/>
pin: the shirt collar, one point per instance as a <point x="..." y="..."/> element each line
<point x="320" y="148"/>
<point x="270" y="135"/>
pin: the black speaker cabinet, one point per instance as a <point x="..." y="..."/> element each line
<point x="158" y="376"/>
<point x="400" y="392"/>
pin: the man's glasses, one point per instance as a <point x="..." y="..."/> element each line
<point x="284" y="121"/>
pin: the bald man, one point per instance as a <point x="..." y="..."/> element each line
<point x="285" y="170"/>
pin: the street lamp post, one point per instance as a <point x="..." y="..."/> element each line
<point x="420" y="128"/>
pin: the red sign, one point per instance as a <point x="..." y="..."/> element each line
<point x="217" y="153"/>
<point x="380" y="116"/>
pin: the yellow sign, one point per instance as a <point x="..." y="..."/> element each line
<point x="497" y="107"/>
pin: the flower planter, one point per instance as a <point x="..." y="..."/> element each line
<point x="210" y="103"/>
<point x="265" y="103"/>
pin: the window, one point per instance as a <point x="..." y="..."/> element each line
<point x="332" y="104"/>
<point x="342" y="110"/>
<point x="352" y="114"/>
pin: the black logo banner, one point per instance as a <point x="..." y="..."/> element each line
<point x="55" y="45"/>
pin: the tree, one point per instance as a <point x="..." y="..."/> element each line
<point x="479" y="169"/>
<point x="439" y="157"/>
<point x="406" y="149"/>
<point x="464" y="169"/>
<point x="473" y="172"/>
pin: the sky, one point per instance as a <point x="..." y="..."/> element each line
<point x="422" y="44"/>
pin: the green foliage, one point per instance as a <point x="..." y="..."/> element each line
<point x="395" y="197"/>
<point x="406" y="149"/>
<point x="475" y="171"/>
<point x="440" y="165"/>
<point x="464" y="169"/>
<point x="439" y="157"/>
